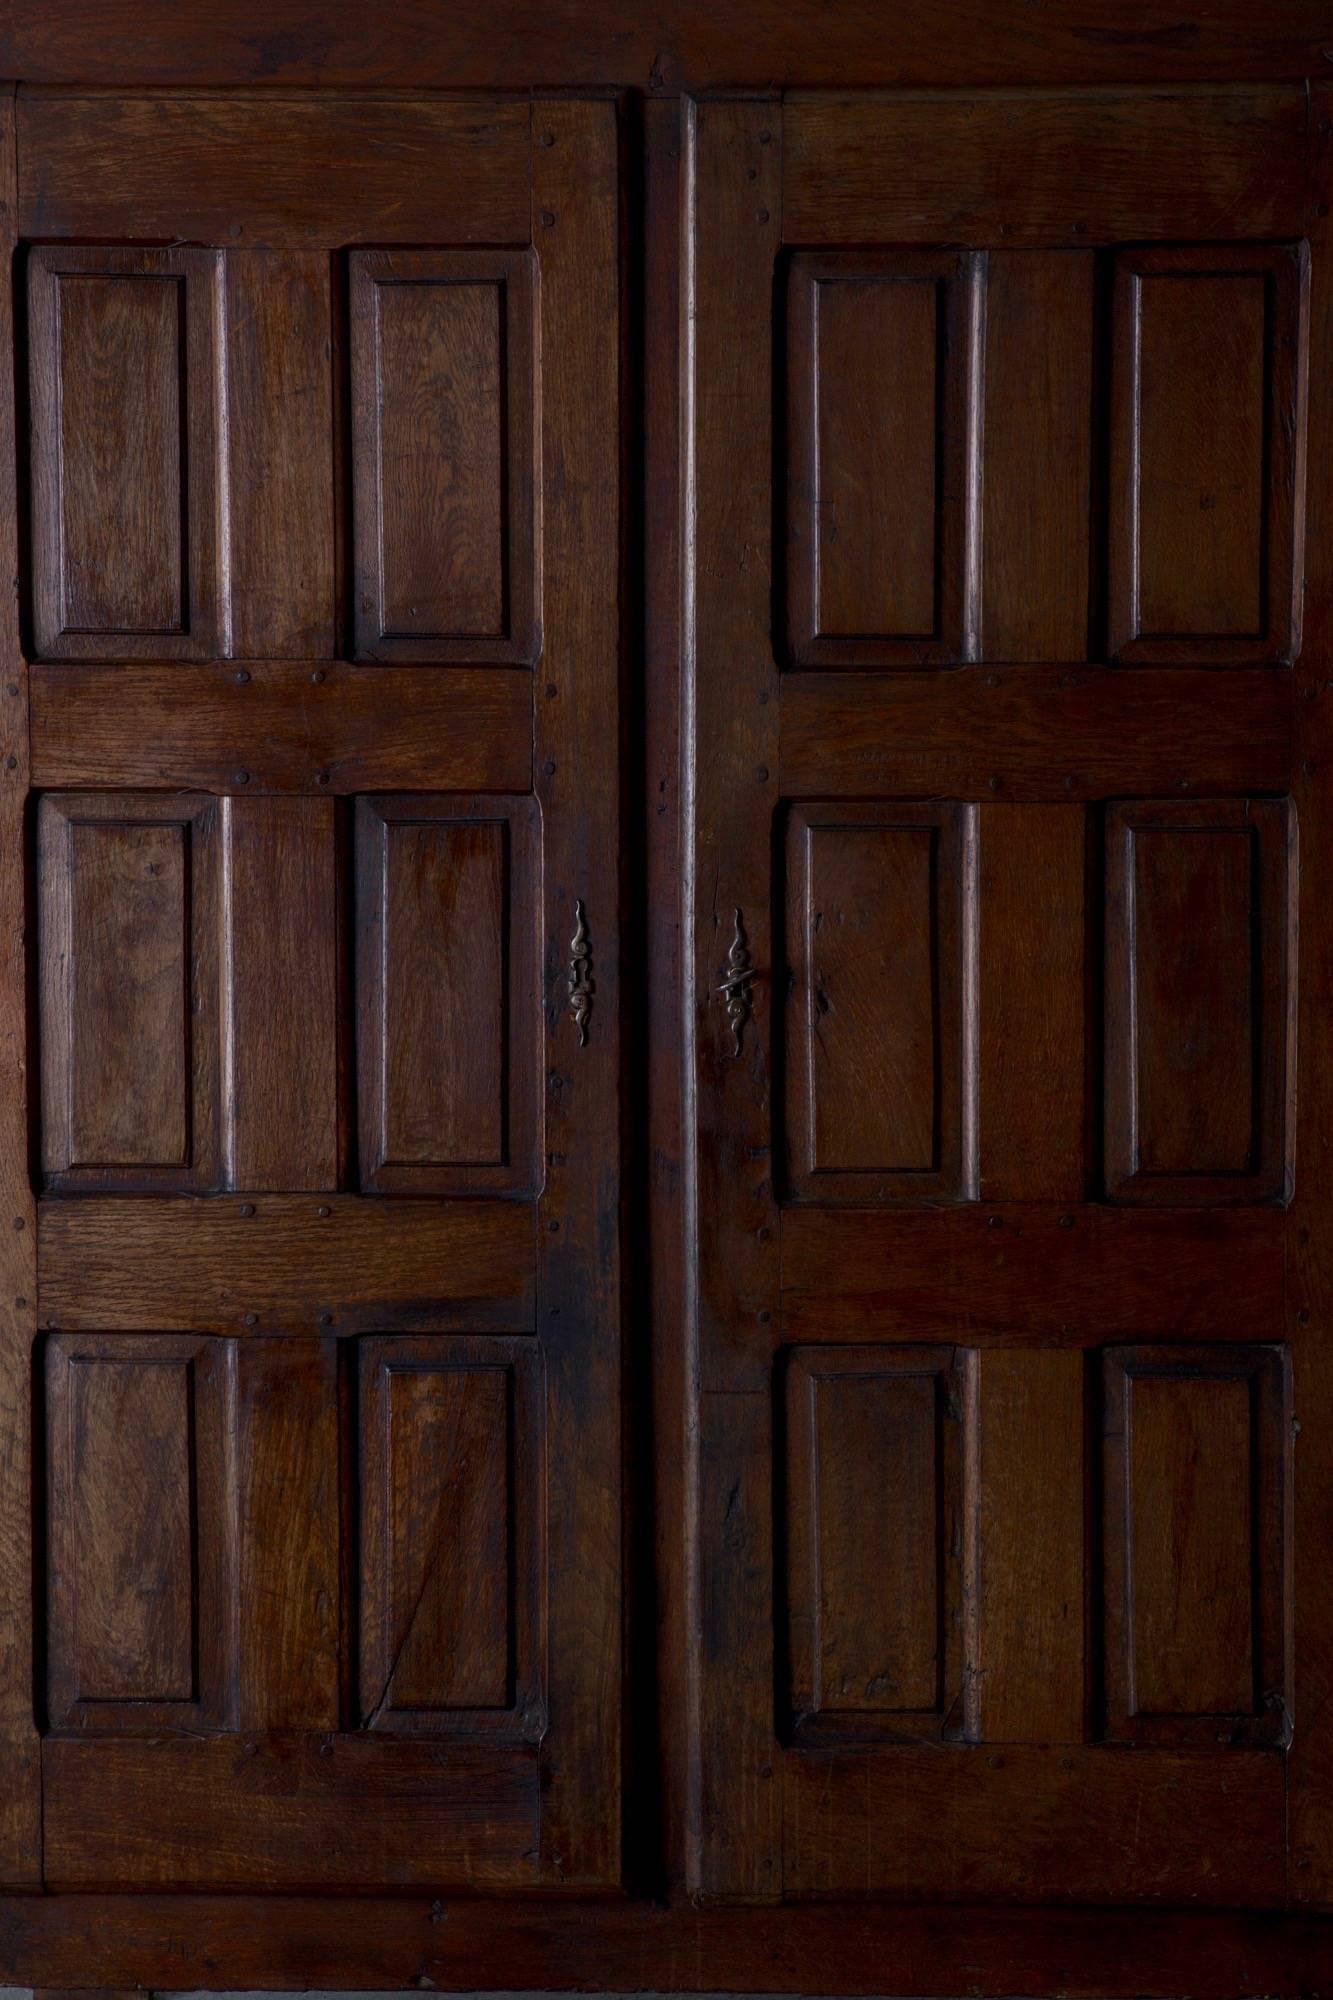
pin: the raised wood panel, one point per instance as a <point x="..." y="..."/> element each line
<point x="1036" y="450"/>
<point x="140" y="1524"/>
<point x="1199" y="971"/>
<point x="1024" y="1549"/>
<point x="1207" y="455"/>
<point x="281" y="983"/>
<point x="452" y="1541"/>
<point x="1032" y="977"/>
<point x="289" y="727"/>
<point x="122" y="350"/>
<point x="449" y="999"/>
<point x="1197" y="1475"/>
<point x="873" y="1494"/>
<point x="443" y="444"/>
<point x="883" y="361"/>
<point x="287" y="1263"/>
<point x="880" y="1067"/>
<point x="282" y="511"/>
<point x="128" y="894"/>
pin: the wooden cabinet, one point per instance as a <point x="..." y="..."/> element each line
<point x="664" y="988"/>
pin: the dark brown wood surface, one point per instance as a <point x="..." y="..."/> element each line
<point x="734" y="677"/>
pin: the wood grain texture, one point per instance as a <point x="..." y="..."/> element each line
<point x="881" y="967"/>
<point x="287" y="1811"/>
<point x="1036" y="734"/>
<point x="128" y="994"/>
<point x="1038" y="170"/>
<point x="1207" y="472"/>
<point x="273" y="171"/>
<point x="141" y="1587"/>
<point x="445" y="496"/>
<point x="282" y="506"/>
<point x="125" y="420"/>
<point x="1024" y="1614"/>
<point x="289" y="1588"/>
<point x="290" y="727"/>
<point x="969" y="42"/>
<point x="1200" y="970"/>
<point x="20" y="1774"/>
<point x="1196" y="1475"/>
<point x="286" y="1263"/>
<point x="883" y="371"/>
<point x="580" y="729"/>
<point x="448" y="993"/>
<point x="972" y="1825"/>
<point x="1036" y="448"/>
<point x="1309" y="1293"/>
<point x="1032" y="1272"/>
<point x="1032" y="1004"/>
<point x="452" y="1552"/>
<point x="731" y="209"/>
<point x="873" y="1491"/>
<point x="281" y="1067"/>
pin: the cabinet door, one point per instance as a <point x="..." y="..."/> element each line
<point x="1012" y="1253"/>
<point x="320" y="595"/>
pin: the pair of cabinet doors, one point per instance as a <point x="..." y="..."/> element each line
<point x="997" y="1253"/>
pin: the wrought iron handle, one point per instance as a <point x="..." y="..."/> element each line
<point x="581" y="986"/>
<point x="736" y="986"/>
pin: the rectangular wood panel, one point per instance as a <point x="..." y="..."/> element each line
<point x="1199" y="975"/>
<point x="1024" y="1550"/>
<point x="122" y="350"/>
<point x="449" y="1002"/>
<point x="881" y="459"/>
<point x="1207" y="455"/>
<point x="140" y="1591"/>
<point x="1032" y="974"/>
<point x="1037" y="434"/>
<point x="881" y="914"/>
<point x="282" y="516"/>
<point x="443" y="444"/>
<point x="281" y="993"/>
<point x="1197" y="1500"/>
<point x="128" y="990"/>
<point x="452" y="1541"/>
<point x="872" y="1500"/>
<point x="282" y="1262"/>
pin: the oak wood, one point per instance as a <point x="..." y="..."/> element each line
<point x="20" y="1775"/>
<point x="290" y="727"/>
<point x="286" y="1263"/>
<point x="1043" y="170"/>
<point x="1035" y="734"/>
<point x="1197" y="1472"/>
<point x="288" y="1811"/>
<point x="444" y="493"/>
<point x="127" y="545"/>
<point x="273" y="171"/>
